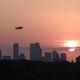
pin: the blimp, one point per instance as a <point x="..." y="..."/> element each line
<point x="19" y="27"/>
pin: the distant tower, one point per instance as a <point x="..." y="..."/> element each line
<point x="0" y="55"/>
<point x="47" y="57"/>
<point x="35" y="52"/>
<point x="63" y="56"/>
<point x="16" y="51"/>
<point x="22" y="56"/>
<point x="55" y="55"/>
<point x="78" y="59"/>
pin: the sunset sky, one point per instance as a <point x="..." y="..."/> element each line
<point x="50" y="22"/>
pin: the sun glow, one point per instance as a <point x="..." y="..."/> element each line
<point x="72" y="45"/>
<point x="72" y="49"/>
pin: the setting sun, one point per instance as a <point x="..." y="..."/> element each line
<point x="71" y="44"/>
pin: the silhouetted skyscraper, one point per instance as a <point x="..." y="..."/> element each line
<point x="55" y="55"/>
<point x="16" y="51"/>
<point x="78" y="59"/>
<point x="47" y="57"/>
<point x="0" y="54"/>
<point x="22" y="56"/>
<point x="35" y="52"/>
<point x="63" y="56"/>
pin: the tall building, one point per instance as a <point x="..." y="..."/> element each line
<point x="43" y="58"/>
<point x="16" y="51"/>
<point x="63" y="57"/>
<point x="0" y="54"/>
<point x="78" y="59"/>
<point x="55" y="56"/>
<point x="22" y="56"/>
<point x="47" y="57"/>
<point x="35" y="52"/>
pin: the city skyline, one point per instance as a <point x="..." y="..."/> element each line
<point x="37" y="53"/>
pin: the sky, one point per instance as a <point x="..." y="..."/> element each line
<point x="46" y="21"/>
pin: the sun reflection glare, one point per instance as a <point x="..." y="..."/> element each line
<point x="72" y="45"/>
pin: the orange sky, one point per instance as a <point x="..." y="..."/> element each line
<point x="46" y="21"/>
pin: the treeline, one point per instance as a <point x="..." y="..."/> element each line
<point x="24" y="69"/>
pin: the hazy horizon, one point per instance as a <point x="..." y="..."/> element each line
<point x="70" y="55"/>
